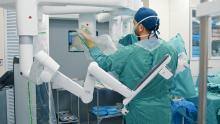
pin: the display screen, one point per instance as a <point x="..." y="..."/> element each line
<point x="74" y="42"/>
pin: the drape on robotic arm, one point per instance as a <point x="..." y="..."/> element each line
<point x="50" y="73"/>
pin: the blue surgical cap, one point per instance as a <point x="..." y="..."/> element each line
<point x="152" y="24"/>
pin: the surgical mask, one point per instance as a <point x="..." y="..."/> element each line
<point x="135" y="27"/>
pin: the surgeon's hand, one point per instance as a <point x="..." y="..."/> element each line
<point x="89" y="40"/>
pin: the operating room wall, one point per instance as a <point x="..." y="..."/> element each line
<point x="72" y="64"/>
<point x="174" y="18"/>
<point x="162" y="8"/>
<point x="179" y="20"/>
<point x="194" y="3"/>
<point x="2" y="41"/>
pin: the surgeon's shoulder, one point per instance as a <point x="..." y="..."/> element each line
<point x="126" y="49"/>
<point x="169" y="49"/>
<point x="172" y="51"/>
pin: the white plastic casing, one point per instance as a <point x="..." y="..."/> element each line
<point x="26" y="58"/>
<point x="27" y="17"/>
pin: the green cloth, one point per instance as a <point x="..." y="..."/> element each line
<point x="213" y="105"/>
<point x="132" y="63"/>
<point x="183" y="82"/>
<point x="128" y="40"/>
<point x="214" y="78"/>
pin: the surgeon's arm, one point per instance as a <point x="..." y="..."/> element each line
<point x="114" y="62"/>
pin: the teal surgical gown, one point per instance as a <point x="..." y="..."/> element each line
<point x="128" y="40"/>
<point x="183" y="81"/>
<point x="132" y="63"/>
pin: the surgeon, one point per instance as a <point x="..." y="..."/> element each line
<point x="133" y="62"/>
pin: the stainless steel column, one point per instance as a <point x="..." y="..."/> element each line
<point x="204" y="31"/>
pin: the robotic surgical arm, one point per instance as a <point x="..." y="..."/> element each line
<point x="50" y="73"/>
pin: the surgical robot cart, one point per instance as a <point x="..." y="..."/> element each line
<point x="38" y="67"/>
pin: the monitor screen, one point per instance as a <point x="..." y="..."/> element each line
<point x="74" y="42"/>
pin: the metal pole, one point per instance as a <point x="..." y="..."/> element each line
<point x="204" y="31"/>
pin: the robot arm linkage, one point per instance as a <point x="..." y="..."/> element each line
<point x="85" y="92"/>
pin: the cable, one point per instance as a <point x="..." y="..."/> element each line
<point x="29" y="101"/>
